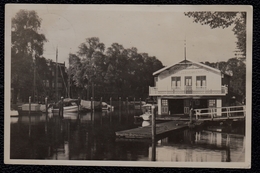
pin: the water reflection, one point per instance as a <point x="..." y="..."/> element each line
<point x="91" y="136"/>
<point x="202" y="146"/>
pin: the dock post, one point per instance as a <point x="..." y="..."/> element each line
<point x="101" y="102"/>
<point x="92" y="106"/>
<point x="153" y="135"/>
<point x="62" y="99"/>
<point x="29" y="105"/>
<point x="46" y="106"/>
<point x="119" y="102"/>
<point x="110" y="99"/>
<point x="134" y="102"/>
<point x="120" y="109"/>
<point x="127" y="103"/>
<point x="191" y="114"/>
<point x="29" y="116"/>
<point x="78" y="104"/>
<point x="46" y="111"/>
<point x="140" y="104"/>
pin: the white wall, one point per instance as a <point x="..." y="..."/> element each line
<point x="219" y="105"/>
<point x="159" y="103"/>
<point x="213" y="80"/>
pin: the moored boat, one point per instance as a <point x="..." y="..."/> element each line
<point x="14" y="113"/>
<point x="32" y="109"/>
<point x="106" y="106"/>
<point x="86" y="105"/>
<point x="69" y="105"/>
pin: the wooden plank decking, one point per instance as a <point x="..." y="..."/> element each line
<point x="146" y="132"/>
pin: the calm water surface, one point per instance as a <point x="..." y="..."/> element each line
<point x="92" y="137"/>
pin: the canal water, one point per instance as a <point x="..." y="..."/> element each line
<point x="91" y="136"/>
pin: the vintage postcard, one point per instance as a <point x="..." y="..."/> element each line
<point x="128" y="85"/>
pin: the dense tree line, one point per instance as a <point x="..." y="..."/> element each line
<point x="26" y="47"/>
<point x="236" y="69"/>
<point x="115" y="71"/>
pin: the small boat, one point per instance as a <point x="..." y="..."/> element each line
<point x="14" y="113"/>
<point x="69" y="105"/>
<point x="25" y="109"/>
<point x="106" y="106"/>
<point x="86" y="105"/>
<point x="43" y="108"/>
<point x="147" y="112"/>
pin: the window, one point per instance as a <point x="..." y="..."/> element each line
<point x="188" y="81"/>
<point x="47" y="83"/>
<point x="164" y="102"/>
<point x="176" y="82"/>
<point x="201" y="81"/>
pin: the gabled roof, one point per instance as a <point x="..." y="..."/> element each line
<point x="197" y="63"/>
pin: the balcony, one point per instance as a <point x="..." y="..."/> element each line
<point x="153" y="91"/>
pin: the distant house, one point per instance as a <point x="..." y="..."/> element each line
<point x="49" y="80"/>
<point x="187" y="83"/>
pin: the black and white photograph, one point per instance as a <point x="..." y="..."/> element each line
<point x="128" y="85"/>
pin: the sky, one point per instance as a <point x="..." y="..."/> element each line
<point x="157" y="30"/>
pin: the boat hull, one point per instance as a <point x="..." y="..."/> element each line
<point x="14" y="113"/>
<point x="24" y="113"/>
<point x="67" y="109"/>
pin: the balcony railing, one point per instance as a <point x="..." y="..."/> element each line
<point x="188" y="91"/>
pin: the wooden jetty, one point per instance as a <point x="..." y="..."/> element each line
<point x="146" y="132"/>
<point x="234" y="113"/>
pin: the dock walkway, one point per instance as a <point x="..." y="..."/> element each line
<point x="146" y="132"/>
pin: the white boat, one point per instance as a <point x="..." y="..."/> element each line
<point x="106" y="106"/>
<point x="66" y="109"/>
<point x="69" y="105"/>
<point x="14" y="113"/>
<point x="86" y="105"/>
<point x="43" y="108"/>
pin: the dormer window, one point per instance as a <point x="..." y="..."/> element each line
<point x="201" y="81"/>
<point x="188" y="81"/>
<point x="176" y="82"/>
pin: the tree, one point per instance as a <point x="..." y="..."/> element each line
<point x="237" y="70"/>
<point x="224" y="20"/>
<point x="26" y="44"/>
<point x="89" y="51"/>
<point x="117" y="72"/>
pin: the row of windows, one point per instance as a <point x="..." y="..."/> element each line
<point x="200" y="81"/>
<point x="47" y="84"/>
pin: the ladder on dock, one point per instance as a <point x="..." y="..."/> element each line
<point x="221" y="113"/>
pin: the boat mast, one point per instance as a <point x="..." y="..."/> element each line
<point x="56" y="80"/>
<point x="69" y="79"/>
<point x="34" y="80"/>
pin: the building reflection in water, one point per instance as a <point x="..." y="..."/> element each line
<point x="92" y="137"/>
<point x="203" y="146"/>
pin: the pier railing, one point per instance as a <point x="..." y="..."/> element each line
<point x="220" y="112"/>
<point x="153" y="91"/>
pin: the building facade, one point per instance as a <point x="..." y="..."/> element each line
<point x="49" y="80"/>
<point x="179" y="86"/>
